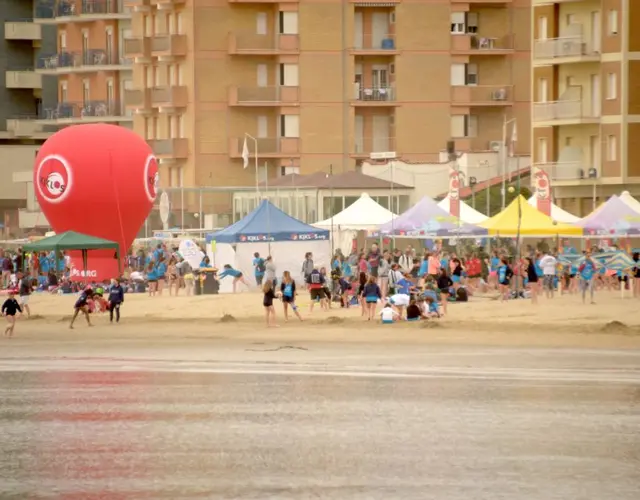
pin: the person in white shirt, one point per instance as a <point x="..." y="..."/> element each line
<point x="388" y="314"/>
<point x="399" y="301"/>
<point x="395" y="275"/>
<point x="548" y="264"/>
<point x="406" y="260"/>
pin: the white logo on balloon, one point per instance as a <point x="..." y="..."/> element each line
<point x="156" y="179"/>
<point x="56" y="189"/>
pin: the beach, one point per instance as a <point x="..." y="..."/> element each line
<point x="560" y="322"/>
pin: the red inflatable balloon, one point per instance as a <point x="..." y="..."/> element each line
<point x="98" y="180"/>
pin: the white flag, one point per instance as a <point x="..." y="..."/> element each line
<point x="514" y="139"/>
<point x="245" y="153"/>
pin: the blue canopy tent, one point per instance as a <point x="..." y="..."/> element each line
<point x="268" y="231"/>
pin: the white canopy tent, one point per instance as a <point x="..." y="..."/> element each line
<point x="467" y="214"/>
<point x="630" y="201"/>
<point x="557" y="213"/>
<point x="363" y="215"/>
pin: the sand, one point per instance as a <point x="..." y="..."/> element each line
<point x="560" y="322"/>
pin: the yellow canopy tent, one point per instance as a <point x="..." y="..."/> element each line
<point x="532" y="223"/>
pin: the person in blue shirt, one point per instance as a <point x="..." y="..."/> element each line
<point x="494" y="264"/>
<point x="404" y="286"/>
<point x="160" y="270"/>
<point x="235" y="274"/>
<point x="259" y="268"/>
<point x="587" y="272"/>
<point x="504" y="279"/>
<point x="288" y="291"/>
<point x="158" y="253"/>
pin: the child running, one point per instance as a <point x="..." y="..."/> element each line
<point x="267" y="302"/>
<point x="9" y="309"/>
<point x="235" y="274"/>
<point x="371" y="294"/>
<point x="82" y="304"/>
<point x="288" y="290"/>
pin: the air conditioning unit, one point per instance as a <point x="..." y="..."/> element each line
<point x="496" y="145"/>
<point x="499" y="95"/>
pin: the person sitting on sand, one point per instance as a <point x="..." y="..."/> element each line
<point x="82" y="305"/>
<point x="414" y="312"/>
<point x="388" y="314"/>
<point x="432" y="305"/>
<point x="235" y="274"/>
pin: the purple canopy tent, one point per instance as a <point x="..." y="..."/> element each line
<point x="615" y="217"/>
<point x="427" y="219"/>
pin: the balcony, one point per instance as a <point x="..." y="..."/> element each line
<point x="262" y="45"/>
<point x="137" y="5"/>
<point x="169" y="46"/>
<point x="373" y="45"/>
<point x="167" y="4"/>
<point x="373" y="96"/>
<point x="264" y="96"/>
<point x="169" y="98"/>
<point x="566" y="50"/>
<point x="364" y="146"/>
<point x="474" y="45"/>
<point x="564" y="171"/>
<point x="563" y="112"/>
<point x="72" y="113"/>
<point x="22" y="30"/>
<point x="24" y="126"/>
<point x="69" y="11"/>
<point x="32" y="219"/>
<point x="482" y="95"/>
<point x="138" y="100"/>
<point x="81" y="62"/>
<point x="272" y="147"/>
<point x="23" y="79"/>
<point x="170" y="149"/>
<point x="137" y="48"/>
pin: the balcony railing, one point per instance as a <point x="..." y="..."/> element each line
<point x="368" y="145"/>
<point x="260" y="95"/>
<point x="137" y="47"/>
<point x="375" y="43"/>
<point x="134" y="98"/>
<point x="133" y="4"/>
<point x="374" y="94"/>
<point x="23" y="79"/>
<point x="476" y="44"/>
<point x="250" y="43"/>
<point x="266" y="146"/>
<point x="560" y="110"/>
<point x="82" y="110"/>
<point x="482" y="94"/>
<point x="92" y="57"/>
<point x="50" y="9"/>
<point x="572" y="46"/>
<point x="169" y="45"/>
<point x="167" y="4"/>
<point x="170" y="148"/>
<point x="22" y="30"/>
<point x="169" y="97"/>
<point x="564" y="171"/>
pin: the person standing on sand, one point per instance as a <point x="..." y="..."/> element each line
<point x="288" y="291"/>
<point x="371" y="295"/>
<point x="307" y="266"/>
<point x="116" y="299"/>
<point x="549" y="264"/>
<point x="25" y="288"/>
<point x="259" y="268"/>
<point x="587" y="271"/>
<point x="270" y="271"/>
<point x="267" y="301"/>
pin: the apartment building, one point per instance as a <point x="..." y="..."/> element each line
<point x="88" y="61"/>
<point x="22" y="93"/>
<point x="313" y="84"/>
<point x="586" y="93"/>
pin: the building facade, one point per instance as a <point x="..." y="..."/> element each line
<point x="323" y="84"/>
<point x="22" y="93"/>
<point x="586" y="93"/>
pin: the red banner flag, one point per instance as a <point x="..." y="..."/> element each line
<point x="542" y="190"/>
<point x="454" y="192"/>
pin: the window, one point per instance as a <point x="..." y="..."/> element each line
<point x="288" y="23"/>
<point x="263" y="127"/>
<point x="458" y="23"/>
<point x="289" y="126"/>
<point x="86" y="91"/>
<point x="289" y="75"/>
<point x="613" y="22"/>
<point x="261" y="23"/>
<point x="612" y="86"/>
<point x="464" y="126"/>
<point x="148" y="26"/>
<point x="472" y="22"/>
<point x="542" y="150"/>
<point x="85" y="42"/>
<point x="612" y="148"/>
<point x="472" y="74"/>
<point x="261" y="75"/>
<point x="111" y="95"/>
<point x="543" y="90"/>
<point x="464" y="74"/>
<point x="571" y="19"/>
<point x="63" y="91"/>
<point x="62" y="41"/>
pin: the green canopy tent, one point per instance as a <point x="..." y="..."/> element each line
<point x="71" y="240"/>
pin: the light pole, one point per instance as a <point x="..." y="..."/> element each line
<point x="245" y="154"/>
<point x="593" y="175"/>
<point x="472" y="184"/>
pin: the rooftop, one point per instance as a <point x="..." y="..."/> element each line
<point x="322" y="180"/>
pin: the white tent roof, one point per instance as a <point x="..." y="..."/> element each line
<point x="467" y="214"/>
<point x="364" y="214"/>
<point x="557" y="213"/>
<point x="630" y="201"/>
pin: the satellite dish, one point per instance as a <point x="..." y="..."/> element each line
<point x="165" y="210"/>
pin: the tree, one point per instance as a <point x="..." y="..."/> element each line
<point x="495" y="198"/>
